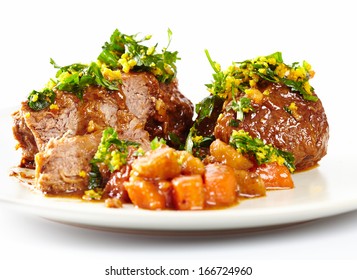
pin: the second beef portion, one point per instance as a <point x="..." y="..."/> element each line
<point x="285" y="120"/>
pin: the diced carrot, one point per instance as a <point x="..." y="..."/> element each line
<point x="220" y="185"/>
<point x="188" y="192"/>
<point x="144" y="194"/>
<point x="275" y="176"/>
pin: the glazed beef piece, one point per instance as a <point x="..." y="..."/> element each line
<point x="142" y="109"/>
<point x="285" y="120"/>
<point x="160" y="107"/>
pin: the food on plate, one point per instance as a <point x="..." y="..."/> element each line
<point x="268" y="100"/>
<point x="59" y="128"/>
<point x="119" y="130"/>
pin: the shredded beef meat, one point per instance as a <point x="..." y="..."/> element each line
<point x="62" y="166"/>
<point x="60" y="141"/>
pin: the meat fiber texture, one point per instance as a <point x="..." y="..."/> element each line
<point x="303" y="132"/>
<point x="60" y="142"/>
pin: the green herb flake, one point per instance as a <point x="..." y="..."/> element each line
<point x="204" y="109"/>
<point x="194" y="141"/>
<point x="218" y="87"/>
<point x="175" y="141"/>
<point x="233" y="123"/>
<point x="123" y="53"/>
<point x="205" y="114"/>
<point x="39" y="100"/>
<point x="263" y="153"/>
<point x="93" y="194"/>
<point x="157" y="143"/>
<point x="127" y="52"/>
<point x="76" y="77"/>
<point x="95" y="177"/>
<point x="243" y="105"/>
<point x="241" y="76"/>
<point x="112" y="151"/>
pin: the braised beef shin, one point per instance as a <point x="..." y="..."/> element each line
<point x="61" y="140"/>
<point x="304" y="132"/>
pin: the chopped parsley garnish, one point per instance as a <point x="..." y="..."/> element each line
<point x="204" y="111"/>
<point x="95" y="178"/>
<point x="218" y="87"/>
<point x="112" y="151"/>
<point x="38" y="100"/>
<point x="263" y="153"/>
<point x="157" y="143"/>
<point x="126" y="52"/>
<point x="241" y="106"/>
<point x="243" y="76"/>
<point x="123" y="53"/>
<point x="194" y="142"/>
<point x="76" y="77"/>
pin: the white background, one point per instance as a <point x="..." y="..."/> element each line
<point x="323" y="33"/>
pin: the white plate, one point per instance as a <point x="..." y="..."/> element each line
<point x="324" y="191"/>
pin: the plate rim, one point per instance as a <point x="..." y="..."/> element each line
<point x="131" y="218"/>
